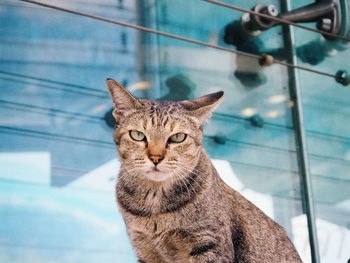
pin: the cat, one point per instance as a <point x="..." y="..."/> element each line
<point x="175" y="206"/>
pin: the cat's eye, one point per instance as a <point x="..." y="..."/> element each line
<point x="137" y="136"/>
<point x="178" y="137"/>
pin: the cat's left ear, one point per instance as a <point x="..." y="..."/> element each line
<point x="202" y="107"/>
<point x="124" y="102"/>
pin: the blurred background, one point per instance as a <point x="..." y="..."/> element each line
<point x="58" y="162"/>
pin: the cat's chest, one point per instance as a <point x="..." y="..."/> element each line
<point x="153" y="225"/>
<point x="189" y="216"/>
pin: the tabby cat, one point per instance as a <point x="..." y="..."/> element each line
<point x="175" y="206"/>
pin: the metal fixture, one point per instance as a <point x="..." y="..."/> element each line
<point x="326" y="13"/>
<point x="266" y="60"/>
<point x="253" y="24"/>
<point x="342" y="77"/>
<point x="256" y="121"/>
<point x="219" y="139"/>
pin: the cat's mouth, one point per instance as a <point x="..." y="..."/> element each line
<point x="157" y="174"/>
<point x="155" y="170"/>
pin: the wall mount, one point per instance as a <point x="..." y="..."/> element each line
<point x="326" y="13"/>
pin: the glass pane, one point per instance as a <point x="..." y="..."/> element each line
<point x="326" y="112"/>
<point x="58" y="161"/>
<point x="250" y="137"/>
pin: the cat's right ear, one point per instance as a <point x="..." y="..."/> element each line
<point x="201" y="108"/>
<point x="124" y="102"/>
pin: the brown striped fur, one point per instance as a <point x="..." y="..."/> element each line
<point x="180" y="210"/>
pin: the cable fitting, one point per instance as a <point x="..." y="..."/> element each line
<point x="342" y="77"/>
<point x="266" y="60"/>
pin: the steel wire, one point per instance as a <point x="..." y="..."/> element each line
<point x="146" y="29"/>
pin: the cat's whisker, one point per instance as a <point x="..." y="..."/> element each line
<point x="128" y="168"/>
<point x="186" y="180"/>
<point x="194" y="171"/>
<point x="190" y="170"/>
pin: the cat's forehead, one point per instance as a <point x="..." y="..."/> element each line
<point x="159" y="115"/>
<point x="161" y="107"/>
<point x="163" y="113"/>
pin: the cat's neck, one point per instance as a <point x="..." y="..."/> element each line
<point x="142" y="197"/>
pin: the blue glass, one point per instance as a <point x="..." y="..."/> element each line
<point x="58" y="161"/>
<point x="326" y="113"/>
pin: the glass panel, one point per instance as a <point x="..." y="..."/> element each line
<point x="58" y="161"/>
<point x="250" y="136"/>
<point x="326" y="112"/>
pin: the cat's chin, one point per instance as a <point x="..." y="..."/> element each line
<point x="157" y="175"/>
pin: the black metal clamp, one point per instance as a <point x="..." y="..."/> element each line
<point x="326" y="13"/>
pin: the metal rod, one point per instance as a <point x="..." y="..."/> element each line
<point x="146" y="29"/>
<point x="56" y="136"/>
<point x="31" y="107"/>
<point x="300" y="139"/>
<point x="54" y="82"/>
<point x="277" y="19"/>
<point x="290" y="65"/>
<point x="309" y="13"/>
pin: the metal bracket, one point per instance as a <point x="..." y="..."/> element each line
<point x="326" y="13"/>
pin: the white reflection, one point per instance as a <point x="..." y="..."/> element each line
<point x="333" y="240"/>
<point x="141" y="85"/>
<point x="248" y="112"/>
<point x="100" y="108"/>
<point x="332" y="52"/>
<point x="347" y="156"/>
<point x="227" y="174"/>
<point x="290" y="104"/>
<point x="33" y="167"/>
<point x="277" y="99"/>
<point x="272" y="114"/>
<point x="57" y="205"/>
<point x="101" y="178"/>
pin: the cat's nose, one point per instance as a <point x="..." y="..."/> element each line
<point x="156" y="158"/>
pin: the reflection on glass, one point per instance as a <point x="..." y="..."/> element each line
<point x="326" y="108"/>
<point x="58" y="162"/>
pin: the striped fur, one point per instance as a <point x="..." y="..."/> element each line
<point x="180" y="210"/>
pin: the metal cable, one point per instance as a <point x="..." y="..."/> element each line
<point x="80" y="87"/>
<point x="50" y="111"/>
<point x="304" y="68"/>
<point x="55" y="136"/>
<point x="146" y="29"/>
<point x="277" y="19"/>
<point x="64" y="248"/>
